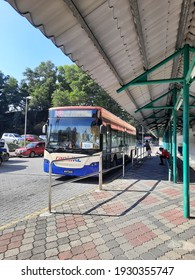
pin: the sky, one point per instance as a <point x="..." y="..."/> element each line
<point x="22" y="45"/>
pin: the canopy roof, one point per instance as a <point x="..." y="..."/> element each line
<point x="117" y="41"/>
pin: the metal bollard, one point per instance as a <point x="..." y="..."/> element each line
<point x="100" y="172"/>
<point x="170" y="174"/>
<point x="123" y="165"/>
<point x="50" y="172"/>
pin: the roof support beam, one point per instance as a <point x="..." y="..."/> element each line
<point x="159" y="118"/>
<point x="156" y="107"/>
<point x="138" y="27"/>
<point x="181" y="33"/>
<point x="154" y="114"/>
<point x="142" y="76"/>
<point x="91" y="35"/>
<point x="141" y="42"/>
<point x="151" y="82"/>
<point x="191" y="71"/>
<point x="85" y="26"/>
<point x="191" y="96"/>
<point x="157" y="99"/>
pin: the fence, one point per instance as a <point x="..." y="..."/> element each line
<point x="137" y="155"/>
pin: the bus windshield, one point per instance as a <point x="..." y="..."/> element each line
<point x="73" y="134"/>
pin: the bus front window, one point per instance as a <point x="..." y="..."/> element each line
<point x="67" y="134"/>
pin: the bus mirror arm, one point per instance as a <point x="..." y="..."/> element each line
<point x="44" y="128"/>
<point x="102" y="129"/>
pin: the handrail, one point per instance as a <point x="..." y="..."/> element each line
<point x="137" y="154"/>
<point x="100" y="172"/>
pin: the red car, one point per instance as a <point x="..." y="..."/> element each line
<point x="31" y="150"/>
<point x="30" y="137"/>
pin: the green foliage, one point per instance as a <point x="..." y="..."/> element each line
<point x="76" y="88"/>
<point x="41" y="85"/>
<point x="3" y="98"/>
<point x="60" y="98"/>
<point x="12" y="147"/>
<point x="51" y="86"/>
<point x="18" y="120"/>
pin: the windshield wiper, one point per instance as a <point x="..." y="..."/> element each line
<point x="59" y="149"/>
<point x="55" y="149"/>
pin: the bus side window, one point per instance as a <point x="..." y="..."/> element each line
<point x="120" y="139"/>
<point x="114" y="139"/>
<point x="96" y="121"/>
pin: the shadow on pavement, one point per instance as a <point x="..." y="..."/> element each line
<point x="180" y="171"/>
<point x="120" y="192"/>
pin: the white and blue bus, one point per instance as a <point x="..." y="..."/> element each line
<point x="75" y="132"/>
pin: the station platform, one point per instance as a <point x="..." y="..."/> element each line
<point x="138" y="217"/>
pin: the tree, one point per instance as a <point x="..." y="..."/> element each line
<point x="12" y="93"/>
<point x="60" y="98"/>
<point x="4" y="105"/>
<point x="75" y="87"/>
<point x="41" y="84"/>
<point x="51" y="86"/>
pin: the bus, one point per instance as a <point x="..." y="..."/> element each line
<point x="76" y="132"/>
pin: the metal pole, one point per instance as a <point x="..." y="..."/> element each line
<point x="132" y="156"/>
<point x="123" y="164"/>
<point x="170" y="173"/>
<point x="137" y="151"/>
<point x="25" y="122"/>
<point x="174" y="140"/>
<point x="142" y="142"/>
<point x="50" y="173"/>
<point x="171" y="150"/>
<point x="186" y="174"/>
<point x="100" y="172"/>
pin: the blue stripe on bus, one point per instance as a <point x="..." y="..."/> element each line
<point x="86" y="170"/>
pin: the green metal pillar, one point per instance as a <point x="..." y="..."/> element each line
<point x="170" y="138"/>
<point x="170" y="150"/>
<point x="166" y="140"/>
<point x="186" y="136"/>
<point x="174" y="139"/>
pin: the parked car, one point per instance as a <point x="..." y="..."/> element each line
<point x="2" y="153"/>
<point x="30" y="137"/>
<point x="31" y="150"/>
<point x="1" y="158"/>
<point x="11" y="137"/>
<point x="4" y="150"/>
<point x="43" y="137"/>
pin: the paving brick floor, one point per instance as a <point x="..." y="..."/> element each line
<point x="137" y="217"/>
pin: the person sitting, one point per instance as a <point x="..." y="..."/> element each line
<point x="163" y="154"/>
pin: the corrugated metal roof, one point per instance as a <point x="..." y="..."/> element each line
<point x="116" y="41"/>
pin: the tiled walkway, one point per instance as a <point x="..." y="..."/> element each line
<point x="136" y="217"/>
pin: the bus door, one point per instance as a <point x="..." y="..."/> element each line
<point x="107" y="157"/>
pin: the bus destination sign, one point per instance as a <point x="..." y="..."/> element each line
<point x="73" y="113"/>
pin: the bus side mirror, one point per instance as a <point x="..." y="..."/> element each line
<point x="102" y="129"/>
<point x="44" y="129"/>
